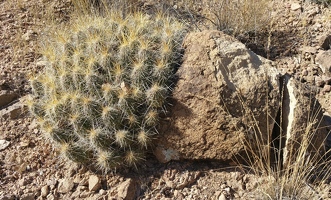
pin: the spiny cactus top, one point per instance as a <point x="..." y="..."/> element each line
<point x="104" y="85"/>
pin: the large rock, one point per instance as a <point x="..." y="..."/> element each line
<point x="225" y="95"/>
<point x="304" y="127"/>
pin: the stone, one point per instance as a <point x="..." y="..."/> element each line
<point x="325" y="41"/>
<point x="303" y="118"/>
<point x="13" y="111"/>
<point x="223" y="90"/>
<point x="28" y="196"/>
<point x="295" y="6"/>
<point x="102" y="192"/>
<point x="326" y="88"/>
<point x="127" y="190"/>
<point x="94" y="183"/>
<point x="308" y="49"/>
<point x="44" y="191"/>
<point x="7" y="197"/>
<point x="6" y="97"/>
<point x="319" y="82"/>
<point x="65" y="185"/>
<point x="4" y="144"/>
<point x="326" y="79"/>
<point x="323" y="59"/>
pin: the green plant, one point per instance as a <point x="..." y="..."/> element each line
<point x="104" y="85"/>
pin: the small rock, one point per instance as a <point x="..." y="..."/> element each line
<point x="28" y="196"/>
<point x="7" y="97"/>
<point x="4" y="144"/>
<point x="319" y="82"/>
<point x="94" y="183"/>
<point x="83" y="181"/>
<point x="84" y="194"/>
<point x="7" y="197"/>
<point x="326" y="79"/>
<point x="127" y="190"/>
<point x="22" y="182"/>
<point x="325" y="41"/>
<point x="304" y="72"/>
<point x="77" y="179"/>
<point x="308" y="49"/>
<point x="44" y="191"/>
<point x="51" y="197"/>
<point x="295" y="6"/>
<point x="102" y="192"/>
<point x="222" y="197"/>
<point x="323" y="59"/>
<point x="13" y="111"/>
<point x="326" y="88"/>
<point x="65" y="185"/>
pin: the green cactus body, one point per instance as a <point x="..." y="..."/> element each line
<point x="105" y="83"/>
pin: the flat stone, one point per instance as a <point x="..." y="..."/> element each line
<point x="28" y="196"/>
<point x="326" y="88"/>
<point x="295" y="6"/>
<point x="13" y="111"/>
<point x="44" y="191"/>
<point x="4" y="144"/>
<point x="302" y="118"/>
<point x="127" y="190"/>
<point x="6" y="97"/>
<point x="323" y="60"/>
<point x="65" y="185"/>
<point x="309" y="49"/>
<point x="94" y="183"/>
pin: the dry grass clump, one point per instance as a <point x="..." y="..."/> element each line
<point x="303" y="175"/>
<point x="231" y="16"/>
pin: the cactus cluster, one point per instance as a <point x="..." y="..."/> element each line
<point x="104" y="85"/>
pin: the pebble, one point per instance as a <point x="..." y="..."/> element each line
<point x="319" y="81"/>
<point x="102" y="192"/>
<point x="44" y="191"/>
<point x="27" y="196"/>
<point x="94" y="183"/>
<point x="295" y="6"/>
<point x="326" y="88"/>
<point x="4" y="144"/>
<point x="65" y="185"/>
<point x="127" y="190"/>
<point x="325" y="41"/>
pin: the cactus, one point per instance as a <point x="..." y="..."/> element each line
<point x="106" y="81"/>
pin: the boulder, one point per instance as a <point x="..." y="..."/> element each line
<point x="225" y="96"/>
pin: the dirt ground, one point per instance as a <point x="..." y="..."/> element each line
<point x="31" y="169"/>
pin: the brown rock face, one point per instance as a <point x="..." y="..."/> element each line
<point x="303" y="121"/>
<point x="224" y="95"/>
